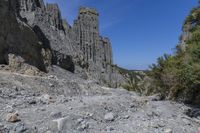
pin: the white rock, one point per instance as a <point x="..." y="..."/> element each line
<point x="168" y="130"/>
<point x="50" y="76"/>
<point x="109" y="117"/>
<point x="70" y="108"/>
<point x="49" y="132"/>
<point x="51" y="85"/>
<point x="47" y="97"/>
<point x="12" y="117"/>
<point x="60" y="122"/>
<point x="80" y="120"/>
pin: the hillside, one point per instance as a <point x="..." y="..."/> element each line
<point x="176" y="76"/>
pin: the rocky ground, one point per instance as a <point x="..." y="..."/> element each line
<point x="57" y="103"/>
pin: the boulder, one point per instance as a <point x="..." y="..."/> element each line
<point x="12" y="117"/>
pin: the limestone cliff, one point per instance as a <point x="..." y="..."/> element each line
<point x="96" y="50"/>
<point x="18" y="43"/>
<point x="47" y="23"/>
<point x="78" y="48"/>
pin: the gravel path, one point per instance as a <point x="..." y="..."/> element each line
<point x="55" y="104"/>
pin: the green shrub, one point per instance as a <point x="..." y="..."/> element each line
<point x="177" y="76"/>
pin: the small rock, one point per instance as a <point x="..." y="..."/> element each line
<point x="15" y="88"/>
<point x="156" y="97"/>
<point x="161" y="124"/>
<point x="168" y="130"/>
<point x="84" y="126"/>
<point x="126" y="116"/>
<point x="80" y="120"/>
<point x="32" y="102"/>
<point x="108" y="108"/>
<point x="50" y="76"/>
<point x="154" y="125"/>
<point x="89" y="114"/>
<point x="109" y="117"/>
<point x="43" y="109"/>
<point x="34" y="129"/>
<point x="46" y="99"/>
<point x="12" y="117"/>
<point x="49" y="132"/>
<point x="56" y="114"/>
<point x="62" y="99"/>
<point x="46" y="96"/>
<point x="51" y="85"/>
<point x="109" y="129"/>
<point x="70" y="108"/>
<point x="153" y="114"/>
<point x="131" y="106"/>
<point x="20" y="128"/>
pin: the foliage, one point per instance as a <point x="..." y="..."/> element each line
<point x="132" y="82"/>
<point x="178" y="76"/>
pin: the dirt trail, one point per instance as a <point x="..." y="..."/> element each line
<point x="56" y="105"/>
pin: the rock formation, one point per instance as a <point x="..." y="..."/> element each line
<point x="18" y="43"/>
<point x="186" y="35"/>
<point x="96" y="50"/>
<point x="47" y="23"/>
<point x="47" y="39"/>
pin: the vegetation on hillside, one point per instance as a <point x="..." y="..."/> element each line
<point x="134" y="79"/>
<point x="177" y="76"/>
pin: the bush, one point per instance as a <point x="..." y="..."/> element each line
<point x="177" y="76"/>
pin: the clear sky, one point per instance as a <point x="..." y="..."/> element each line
<point x="140" y="30"/>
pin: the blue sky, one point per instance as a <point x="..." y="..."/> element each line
<point x="140" y="30"/>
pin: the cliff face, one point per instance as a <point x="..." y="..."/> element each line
<point x="185" y="36"/>
<point x="95" y="48"/>
<point x="189" y="25"/>
<point x="19" y="46"/>
<point x="47" y="23"/>
<point x="79" y="48"/>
